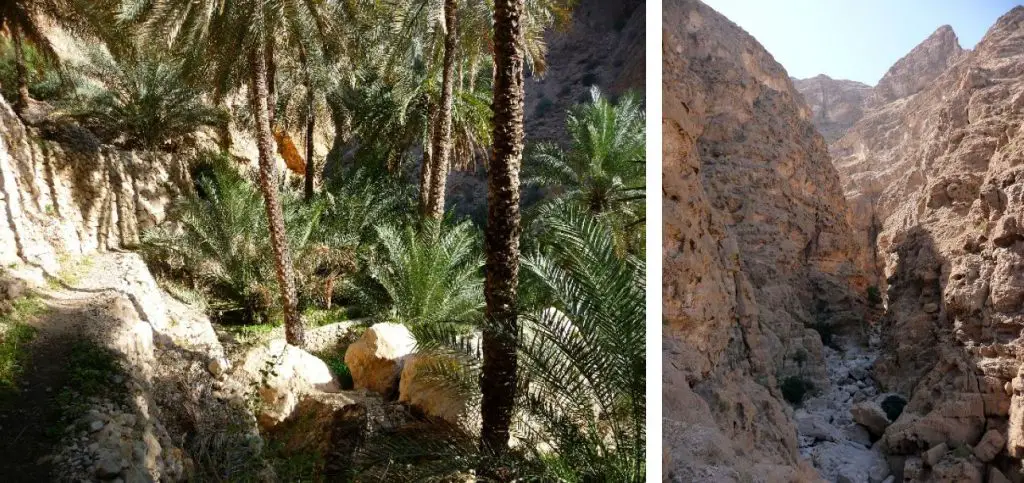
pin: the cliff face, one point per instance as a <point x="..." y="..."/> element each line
<point x="756" y="249"/>
<point x="72" y="196"/>
<point x="937" y="175"/>
<point x="836" y="104"/>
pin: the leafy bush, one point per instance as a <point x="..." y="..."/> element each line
<point x="580" y="408"/>
<point x="143" y="98"/>
<point x="893" y="406"/>
<point x="603" y="171"/>
<point x="45" y="82"/>
<point x="15" y="335"/>
<point x="874" y="296"/>
<point x="425" y="276"/>
<point x="795" y="389"/>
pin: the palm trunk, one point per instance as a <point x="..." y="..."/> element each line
<point x="427" y="166"/>
<point x="271" y="75"/>
<point x="310" y="127"/>
<point x="498" y="378"/>
<point x="268" y="185"/>
<point x="443" y="134"/>
<point x="21" y="103"/>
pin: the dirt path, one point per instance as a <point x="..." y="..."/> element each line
<point x="31" y="421"/>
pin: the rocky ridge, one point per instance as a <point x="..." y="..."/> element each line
<point x="835" y="103"/>
<point x="932" y="179"/>
<point x="756" y="249"/>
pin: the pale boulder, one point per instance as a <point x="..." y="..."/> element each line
<point x="281" y="374"/>
<point x="990" y="445"/>
<point x="375" y="360"/>
<point x="421" y="387"/>
<point x="870" y="415"/>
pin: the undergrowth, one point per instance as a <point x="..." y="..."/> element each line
<point x="15" y="334"/>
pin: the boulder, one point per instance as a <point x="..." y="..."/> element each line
<point x="331" y="425"/>
<point x="838" y="461"/>
<point x="870" y="415"/>
<point x="989" y="446"/>
<point x="375" y="360"/>
<point x="933" y="455"/>
<point x="996" y="476"/>
<point x="281" y="374"/>
<point x="421" y="387"/>
<point x="960" y="470"/>
<point x="11" y="288"/>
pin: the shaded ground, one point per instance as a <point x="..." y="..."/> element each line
<point x="32" y="420"/>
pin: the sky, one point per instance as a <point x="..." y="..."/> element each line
<point x="855" y="39"/>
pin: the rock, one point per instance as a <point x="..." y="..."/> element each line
<point x="989" y="446"/>
<point x="95" y="426"/>
<point x="996" y="476"/>
<point x="420" y="388"/>
<point x="836" y="461"/>
<point x="913" y="469"/>
<point x="858" y="434"/>
<point x="375" y="360"/>
<point x="11" y="288"/>
<point x="281" y="374"/>
<point x="218" y="366"/>
<point x="740" y="154"/>
<point x="109" y="466"/>
<point x="870" y="415"/>
<point x="933" y="455"/>
<point x="331" y="425"/>
<point x="815" y="426"/>
<point x="958" y="470"/>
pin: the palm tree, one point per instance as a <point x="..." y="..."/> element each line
<point x="441" y="150"/>
<point x="21" y="19"/>
<point x="498" y="378"/>
<point x="232" y="42"/>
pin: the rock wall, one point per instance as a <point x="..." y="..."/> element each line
<point x="836" y="104"/>
<point x="757" y="250"/>
<point x="62" y="193"/>
<point x="933" y="174"/>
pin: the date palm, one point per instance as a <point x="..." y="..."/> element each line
<point x="232" y="43"/>
<point x="498" y="377"/>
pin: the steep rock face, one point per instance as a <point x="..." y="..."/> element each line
<point x="602" y="45"/>
<point x="836" y="104"/>
<point x="75" y="196"/>
<point x="938" y="178"/>
<point x="919" y="68"/>
<point x="756" y="250"/>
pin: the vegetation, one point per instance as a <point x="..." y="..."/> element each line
<point x="874" y="296"/>
<point x="15" y="334"/>
<point x="795" y="389"/>
<point x="546" y="333"/>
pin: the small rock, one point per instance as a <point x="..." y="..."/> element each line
<point x="96" y="426"/>
<point x="996" y="476"/>
<point x="108" y="467"/>
<point x="218" y="366"/>
<point x="931" y="308"/>
<point x="933" y="455"/>
<point x="989" y="446"/>
<point x="870" y="415"/>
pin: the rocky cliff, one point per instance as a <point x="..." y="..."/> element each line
<point x="933" y="173"/>
<point x="63" y="193"/>
<point x="836" y="104"/>
<point x="757" y="254"/>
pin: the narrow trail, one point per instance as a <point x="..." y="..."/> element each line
<point x="31" y="420"/>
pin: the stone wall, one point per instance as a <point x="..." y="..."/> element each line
<point x="63" y="193"/>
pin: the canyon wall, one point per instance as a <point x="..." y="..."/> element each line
<point x="757" y="250"/>
<point x="63" y="193"/>
<point x="934" y="175"/>
<point x="836" y="104"/>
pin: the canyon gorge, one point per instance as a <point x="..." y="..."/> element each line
<point x="842" y="284"/>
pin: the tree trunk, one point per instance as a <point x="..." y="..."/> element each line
<point x="498" y="378"/>
<point x="310" y="127"/>
<point x="443" y="134"/>
<point x="271" y="75"/>
<point x="427" y="166"/>
<point x="294" y="333"/>
<point x="21" y="103"/>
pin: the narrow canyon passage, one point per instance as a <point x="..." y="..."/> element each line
<point x="794" y="210"/>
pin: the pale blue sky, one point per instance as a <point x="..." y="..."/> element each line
<point x="851" y="39"/>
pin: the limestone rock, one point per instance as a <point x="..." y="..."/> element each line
<point x="419" y="387"/>
<point x="836" y="104"/>
<point x="990" y="445"/>
<point x="870" y="415"/>
<point x="996" y="476"/>
<point x="375" y="360"/>
<point x="756" y="249"/>
<point x="933" y="455"/>
<point x="840" y="462"/>
<point x="281" y="374"/>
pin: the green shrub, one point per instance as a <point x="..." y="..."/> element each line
<point x="142" y="101"/>
<point x="543" y="106"/>
<point x="827" y="333"/>
<point x="795" y="389"/>
<point x="874" y="296"/>
<point x="893" y="406"/>
<point x="419" y="277"/>
<point x="15" y="334"/>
